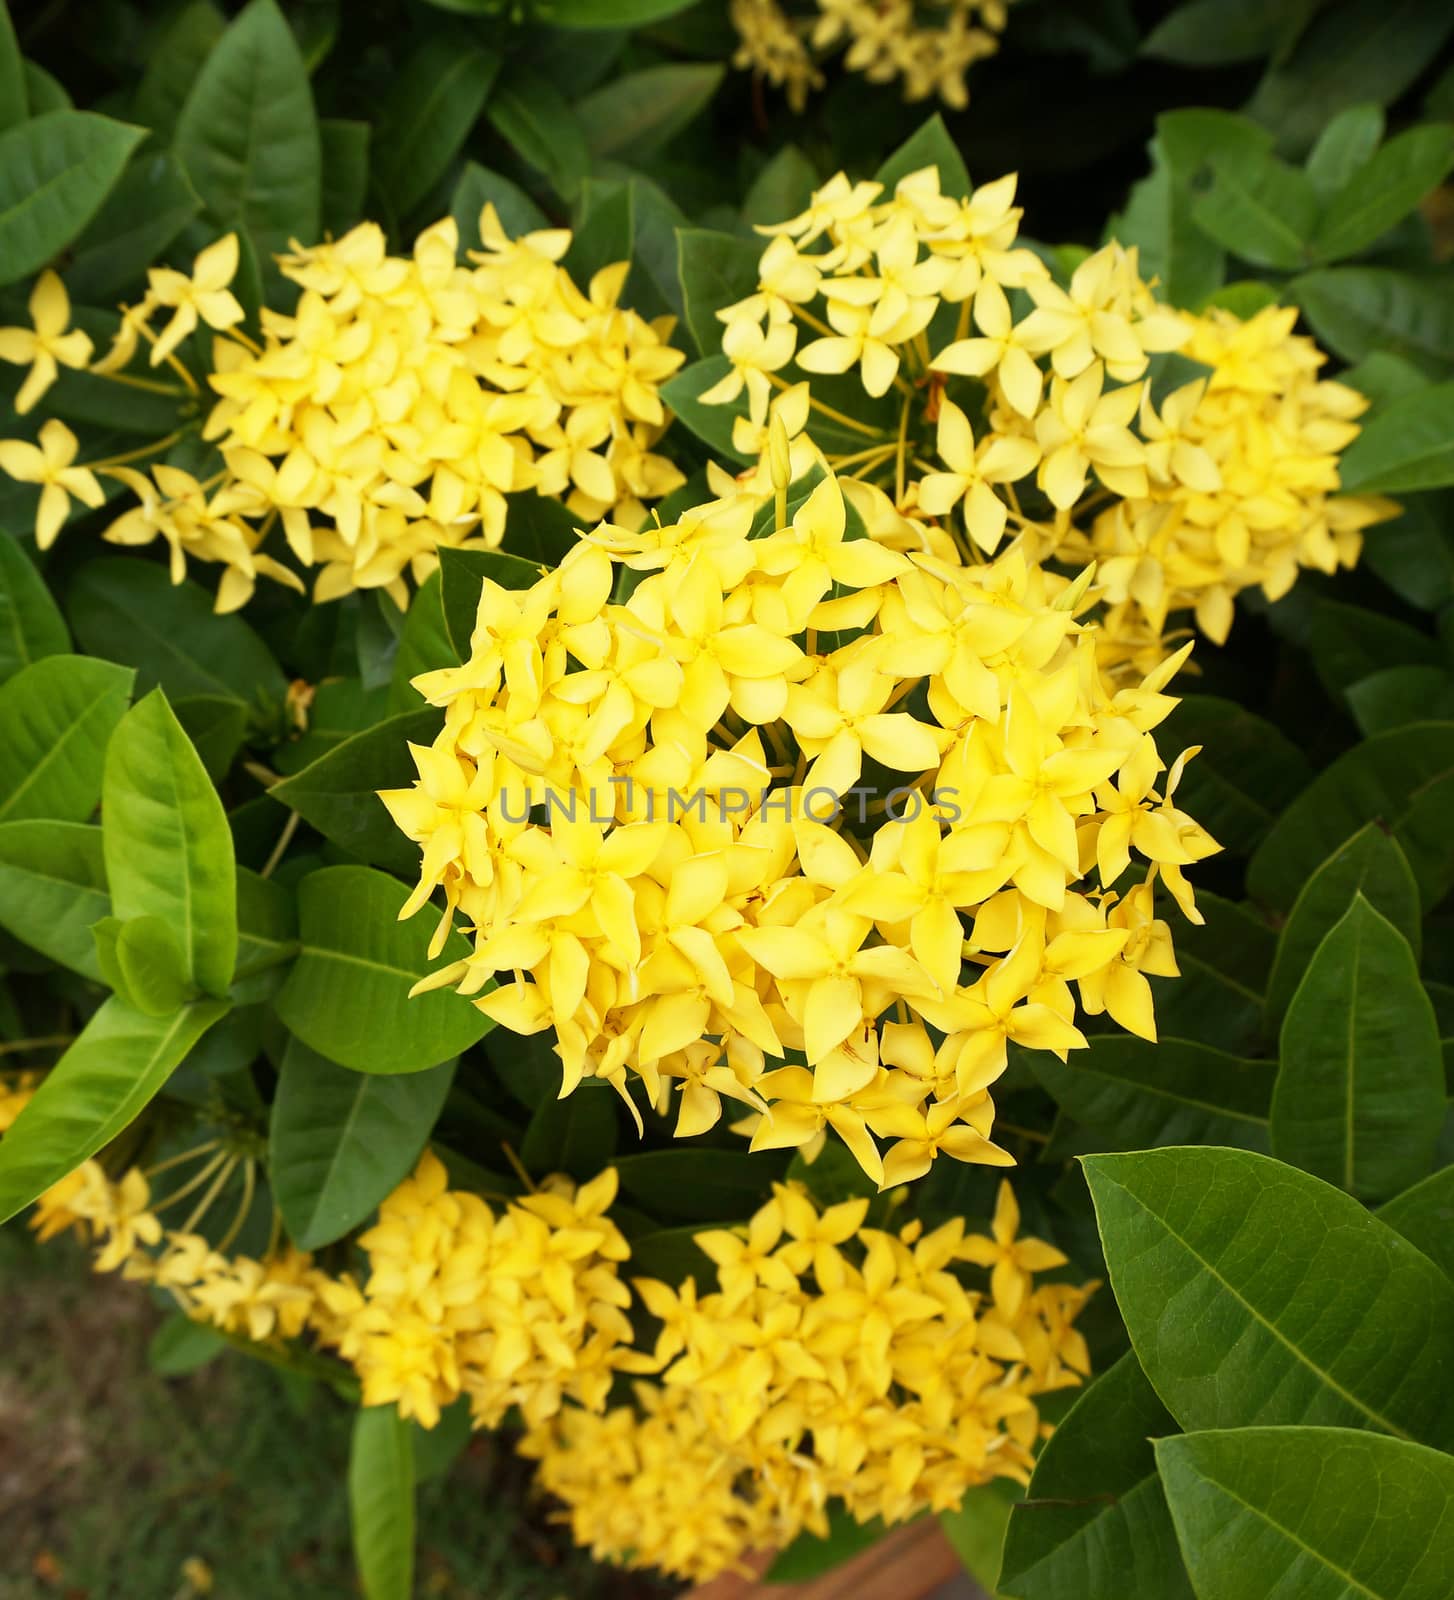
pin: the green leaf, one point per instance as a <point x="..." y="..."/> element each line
<point x="1370" y="864"/>
<point x="56" y="716"/>
<point x="532" y="118"/>
<point x="1347" y="643"/>
<point x="338" y="794"/>
<point x="1360" y="1090"/>
<point x="462" y="575"/>
<point x="339" y="1141"/>
<point x="1212" y="33"/>
<point x="31" y="625"/>
<point x="715" y="269"/>
<point x="1145" y="1095"/>
<point x="1094" y="1523"/>
<point x="612" y="13"/>
<point x="1254" y="1294"/>
<point x="436" y="1449"/>
<point x="784" y="188"/>
<point x="13" y="106"/>
<point x="1247" y="771"/>
<point x="343" y="194"/>
<point x="479" y="187"/>
<point x="424" y="646"/>
<point x="144" y="214"/>
<point x="930" y="146"/>
<point x="347" y="996"/>
<point x="1397" y="696"/>
<point x="639" y="112"/>
<point x="216" y="724"/>
<point x="1261" y="210"/>
<point x="540" y="529"/>
<point x="267" y="927"/>
<point x="1344" y="148"/>
<point x="151" y="966"/>
<point x="173" y="61"/>
<point x="1403" y="779"/>
<point x="605" y="229"/>
<point x="1424" y="1215"/>
<point x="697" y="1185"/>
<point x="576" y="1135"/>
<point x="381" y="1502"/>
<point x="976" y="1530"/>
<point x="167" y="843"/>
<point x="1408" y="444"/>
<point x="809" y="1557"/>
<point x="181" y="1346"/>
<point x="1384" y="190"/>
<point x="129" y="611"/>
<point x="55" y="172"/>
<point x="1384" y="378"/>
<point x="1321" y="1513"/>
<point x="713" y="423"/>
<point x="1158" y="221"/>
<point x="1361" y="311"/>
<point x="432" y="103"/>
<point x="102" y="1082"/>
<point x="52" y="888"/>
<point x="247" y="136"/>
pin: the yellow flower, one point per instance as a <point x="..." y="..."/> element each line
<point x="972" y="472"/>
<point x="46" y="346"/>
<point x="50" y="465"/>
<point x="203" y="295"/>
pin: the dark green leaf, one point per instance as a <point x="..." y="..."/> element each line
<point x="347" y="996"/>
<point x="432" y="103"/>
<point x="339" y="1142"/>
<point x="604" y="231"/>
<point x="173" y="62"/>
<point x="531" y="117"/>
<point x="31" y="625"/>
<point x="540" y="529"/>
<point x="338" y="794"/>
<point x="576" y="1135"/>
<point x="930" y="146"/>
<point x="1094" y="1524"/>
<point x="1370" y="864"/>
<point x="52" y="888"/>
<point x="100" y="1084"/>
<point x="694" y="1185"/>
<point x="1424" y="1215"/>
<point x="436" y="1449"/>
<point x="612" y="13"/>
<point x="267" y="927"/>
<point x="710" y="423"/>
<point x="216" y="725"/>
<point x="1348" y="643"/>
<point x="639" y="112"/>
<point x="1158" y="222"/>
<point x="56" y="716"/>
<point x="381" y="1502"/>
<point x="55" y="173"/>
<point x="1254" y="1294"/>
<point x="424" y="645"/>
<point x="462" y="575"/>
<point x="1397" y="696"/>
<point x="809" y="1557"/>
<point x="1211" y="33"/>
<point x="1408" y="444"/>
<point x="1360" y="311"/>
<point x="782" y="189"/>
<point x="344" y="151"/>
<point x="716" y="269"/>
<point x="1261" y="210"/>
<point x="168" y="846"/>
<point x="13" y="106"/>
<point x="479" y="187"/>
<point x="144" y="213"/>
<point x="1360" y="1090"/>
<point x="1266" y="1512"/>
<point x="1384" y="190"/>
<point x="181" y="1346"/>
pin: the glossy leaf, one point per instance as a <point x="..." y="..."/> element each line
<point x="381" y="1502"/>
<point x="1255" y="1294"/>
<point x="339" y="1142"/>
<point x="31" y="626"/>
<point x="710" y="423"/>
<point x="639" y="112"/>
<point x="56" y="717"/>
<point x="247" y="136"/>
<point x="338" y="794"/>
<point x="1388" y="186"/>
<point x="52" y="888"/>
<point x="55" y="173"/>
<point x="103" y="1081"/>
<point x="13" y="107"/>
<point x="1360" y="1089"/>
<point x="432" y="103"/>
<point x="347" y="996"/>
<point x="716" y="269"/>
<point x="1320" y="1513"/>
<point x="1403" y="779"/>
<point x="1094" y="1523"/>
<point x="1370" y="864"/>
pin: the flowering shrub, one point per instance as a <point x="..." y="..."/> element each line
<point x="667" y="789"/>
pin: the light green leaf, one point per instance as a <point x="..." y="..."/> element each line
<point x="247" y="136"/>
<point x="102" y="1082"/>
<point x="1255" y="1294"/>
<point x="432" y="103"/>
<point x="339" y="1141"/>
<point x="715" y="269"/>
<point x="338" y="794"/>
<point x="1094" y="1524"/>
<point x="1360" y="1090"/>
<point x="479" y="187"/>
<point x="1261" y="210"/>
<point x="1408" y="444"/>
<point x="1424" y="1215"/>
<point x="1320" y="1513"/>
<point x="55" y="173"/>
<point x="639" y="112"/>
<point x="145" y="212"/>
<point x="1370" y="864"/>
<point x="1158" y="222"/>
<point x="710" y="423"/>
<point x="532" y="118"/>
<point x="56" y="716"/>
<point x="52" y="888"/>
<point x="1384" y="190"/>
<point x="930" y="146"/>
<point x="1361" y="311"/>
<point x="31" y="625"/>
<point x="151" y="966"/>
<point x="1142" y="1095"/>
<point x="381" y="1502"/>
<point x="181" y="1346"/>
<point x="1345" y="147"/>
<point x="168" y="846"/>
<point x="347" y="996"/>
<point x="1403" y="779"/>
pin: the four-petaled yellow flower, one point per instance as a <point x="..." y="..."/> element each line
<point x="47" y="345"/>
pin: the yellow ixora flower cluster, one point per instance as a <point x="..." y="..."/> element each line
<point x="833" y="1361"/>
<point x="1004" y="404"/>
<point x="927" y="45"/>
<point x="804" y="821"/>
<point x="389" y="414"/>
